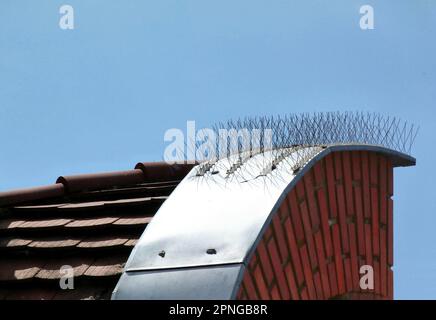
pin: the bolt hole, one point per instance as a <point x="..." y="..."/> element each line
<point x="211" y="251"/>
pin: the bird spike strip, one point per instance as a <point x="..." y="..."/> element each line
<point x="293" y="132"/>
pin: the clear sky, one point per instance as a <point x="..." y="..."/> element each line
<point x="100" y="97"/>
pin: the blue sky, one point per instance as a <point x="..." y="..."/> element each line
<point x="100" y="97"/>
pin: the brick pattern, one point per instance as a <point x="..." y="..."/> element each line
<point x="337" y="218"/>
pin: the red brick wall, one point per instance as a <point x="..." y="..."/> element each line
<point x="336" y="219"/>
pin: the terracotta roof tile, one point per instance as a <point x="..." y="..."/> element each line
<point x="10" y="224"/>
<point x="31" y="194"/>
<point x="92" y="221"/>
<point x="148" y="189"/>
<point x="19" y="269"/>
<point x="131" y="242"/>
<point x="101" y="180"/>
<point x="82" y="205"/>
<point x="14" y="243"/>
<point x="40" y="207"/>
<point x="49" y="223"/>
<point x="99" y="243"/>
<point x="66" y="243"/>
<point x="54" y="243"/>
<point x="105" y="267"/>
<point x="27" y="273"/>
<point x="52" y="270"/>
<point x="133" y="220"/>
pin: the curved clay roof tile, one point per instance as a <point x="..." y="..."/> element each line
<point x="25" y="195"/>
<point x="162" y="171"/>
<point x="88" y="182"/>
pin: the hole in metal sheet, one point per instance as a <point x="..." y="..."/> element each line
<point x="162" y="253"/>
<point x="211" y="251"/>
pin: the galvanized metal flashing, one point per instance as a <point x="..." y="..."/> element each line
<point x="208" y="282"/>
<point x="202" y="236"/>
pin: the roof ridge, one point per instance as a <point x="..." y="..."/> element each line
<point x="64" y="185"/>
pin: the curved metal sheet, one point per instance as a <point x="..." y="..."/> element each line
<point x="208" y="283"/>
<point x="217" y="219"/>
